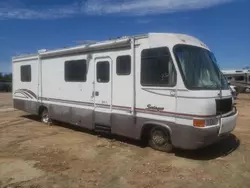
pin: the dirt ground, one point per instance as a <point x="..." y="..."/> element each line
<point x="62" y="156"/>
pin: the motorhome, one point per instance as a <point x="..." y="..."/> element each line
<point x="239" y="78"/>
<point x="161" y="87"/>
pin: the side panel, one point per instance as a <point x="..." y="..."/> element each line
<point x="25" y="94"/>
<point x="73" y="102"/>
<point x="153" y="103"/>
<point x="122" y="117"/>
<point x="69" y="102"/>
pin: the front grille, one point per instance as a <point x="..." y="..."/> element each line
<point x="224" y="106"/>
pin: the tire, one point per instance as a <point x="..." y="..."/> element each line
<point x="45" y="117"/>
<point x="247" y="90"/>
<point x="159" y="139"/>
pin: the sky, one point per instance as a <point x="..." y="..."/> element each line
<point x="29" y="25"/>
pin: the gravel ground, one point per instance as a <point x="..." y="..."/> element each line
<point x="62" y="156"/>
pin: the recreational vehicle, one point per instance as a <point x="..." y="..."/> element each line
<point x="160" y="87"/>
<point x="239" y="78"/>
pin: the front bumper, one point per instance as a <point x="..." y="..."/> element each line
<point x="234" y="94"/>
<point x="189" y="137"/>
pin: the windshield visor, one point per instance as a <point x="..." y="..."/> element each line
<point x="199" y="69"/>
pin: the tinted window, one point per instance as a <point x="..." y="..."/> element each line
<point x="123" y="65"/>
<point x="26" y="73"/>
<point x="157" y="68"/>
<point x="103" y="72"/>
<point x="75" y="71"/>
<point x="239" y="78"/>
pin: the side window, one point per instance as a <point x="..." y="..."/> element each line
<point x="26" y="73"/>
<point x="103" y="72"/>
<point x="239" y="78"/>
<point x="123" y="65"/>
<point x="157" y="68"/>
<point x="75" y="71"/>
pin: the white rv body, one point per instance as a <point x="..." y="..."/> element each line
<point x="121" y="104"/>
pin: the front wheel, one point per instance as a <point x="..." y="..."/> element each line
<point x="160" y="140"/>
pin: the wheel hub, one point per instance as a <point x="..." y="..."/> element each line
<point x="46" y="119"/>
<point x="159" y="138"/>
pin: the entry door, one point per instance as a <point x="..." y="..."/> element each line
<point x="102" y="91"/>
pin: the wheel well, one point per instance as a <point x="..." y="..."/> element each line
<point x="148" y="127"/>
<point x="41" y="109"/>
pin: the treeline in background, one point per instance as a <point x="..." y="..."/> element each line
<point x="5" y="82"/>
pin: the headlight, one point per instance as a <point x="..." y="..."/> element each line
<point x="204" y="123"/>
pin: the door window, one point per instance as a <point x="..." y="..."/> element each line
<point x="103" y="72"/>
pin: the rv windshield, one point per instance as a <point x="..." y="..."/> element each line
<point x="199" y="69"/>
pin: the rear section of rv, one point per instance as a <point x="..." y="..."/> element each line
<point x="25" y="83"/>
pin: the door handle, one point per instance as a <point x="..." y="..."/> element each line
<point x="97" y="93"/>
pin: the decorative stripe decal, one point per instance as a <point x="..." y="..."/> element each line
<point x="23" y="95"/>
<point x="27" y="93"/>
<point x="116" y="107"/>
<point x="187" y="97"/>
<point x="121" y="107"/>
<point x="31" y="93"/>
<point x="66" y="101"/>
<point x="103" y="106"/>
<point x="174" y="113"/>
<point x="163" y="112"/>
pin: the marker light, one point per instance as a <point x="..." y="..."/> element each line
<point x="199" y="123"/>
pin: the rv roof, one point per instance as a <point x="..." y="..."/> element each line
<point x="102" y="44"/>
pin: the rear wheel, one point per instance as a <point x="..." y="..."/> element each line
<point x="45" y="117"/>
<point x="159" y="139"/>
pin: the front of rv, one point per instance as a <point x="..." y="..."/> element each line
<point x="203" y="93"/>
